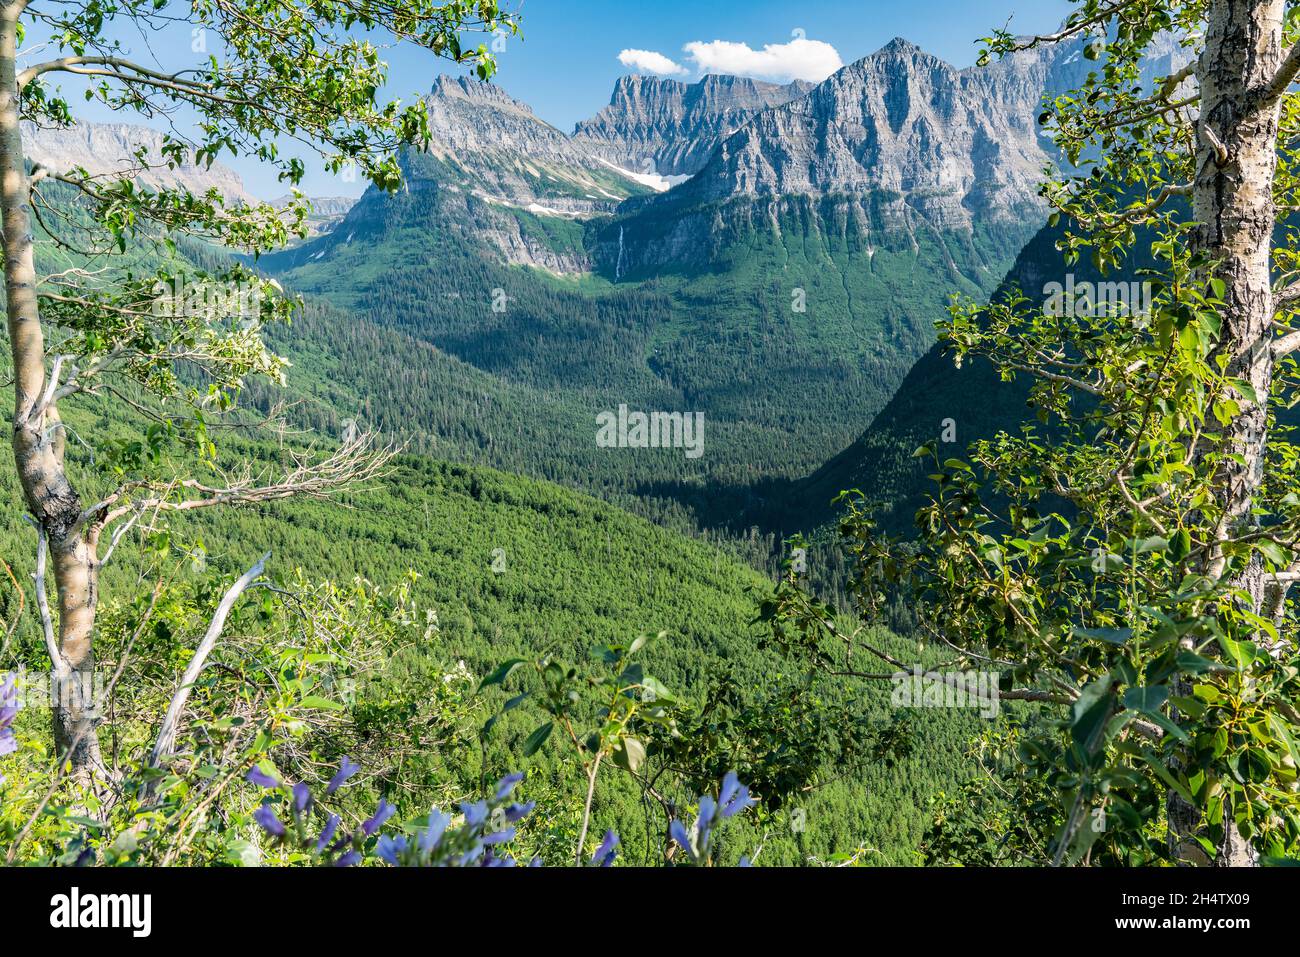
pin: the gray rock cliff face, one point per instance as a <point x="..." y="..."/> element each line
<point x="109" y="148"/>
<point x="898" y="141"/>
<point x="493" y="146"/>
<point x="667" y="127"/>
<point x="951" y="143"/>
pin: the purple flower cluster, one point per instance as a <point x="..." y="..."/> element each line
<point x="476" y="842"/>
<point x="8" y="711"/>
<point x="606" y="852"/>
<point x="327" y="846"/>
<point x="486" y="826"/>
<point x="732" y="799"/>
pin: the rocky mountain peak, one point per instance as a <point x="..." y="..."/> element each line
<point x="948" y="144"/>
<point x="669" y="127"/>
<point x="475" y="92"/>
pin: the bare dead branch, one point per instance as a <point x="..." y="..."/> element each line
<point x="57" y="662"/>
<point x="355" y="463"/>
<point x="170" y="726"/>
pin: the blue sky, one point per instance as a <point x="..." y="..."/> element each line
<point x="567" y="62"/>
<point x="568" y="58"/>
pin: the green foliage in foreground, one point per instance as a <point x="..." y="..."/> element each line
<point x="573" y="575"/>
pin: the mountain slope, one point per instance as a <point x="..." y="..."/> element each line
<point x="936" y="393"/>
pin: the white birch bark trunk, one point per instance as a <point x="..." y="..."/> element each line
<point x="1233" y="205"/>
<point x="37" y="439"/>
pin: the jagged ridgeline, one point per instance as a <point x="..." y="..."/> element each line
<point x="773" y="257"/>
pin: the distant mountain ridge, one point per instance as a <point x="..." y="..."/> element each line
<point x="109" y="148"/>
<point x="664" y="126"/>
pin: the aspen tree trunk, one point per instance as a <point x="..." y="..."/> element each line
<point x="1235" y="214"/>
<point x="38" y="441"/>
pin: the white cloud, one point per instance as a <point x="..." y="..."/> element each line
<point x="799" y="59"/>
<point x="648" y="61"/>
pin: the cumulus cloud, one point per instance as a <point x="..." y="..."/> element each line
<point x="648" y="61"/>
<point x="800" y="59"/>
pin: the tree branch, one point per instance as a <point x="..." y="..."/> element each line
<point x="355" y="462"/>
<point x="1284" y="77"/>
<point x="57" y="662"/>
<point x="170" y="726"/>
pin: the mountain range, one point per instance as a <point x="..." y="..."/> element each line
<point x="772" y="257"/>
<point x="783" y="289"/>
<point x="669" y="128"/>
<point x="110" y="149"/>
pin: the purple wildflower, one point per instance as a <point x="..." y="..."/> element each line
<point x="382" y="814"/>
<point x="517" y="812"/>
<point x="507" y="784"/>
<point x="8" y="711"/>
<point x="475" y="814"/>
<point x="346" y="769"/>
<point x="605" y="853"/>
<point x="265" y="816"/>
<point x="390" y="849"/>
<point x="301" y="797"/>
<point x="734" y="796"/>
<point x="708" y="808"/>
<point x="327" y="833"/>
<point x="432" y="834"/>
<point x="677" y="831"/>
<point x="500" y="837"/>
<point x="259" y="777"/>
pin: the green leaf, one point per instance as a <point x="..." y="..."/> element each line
<point x="1169" y="726"/>
<point x="1284" y="734"/>
<point x="500" y="673"/>
<point x="1162" y="772"/>
<point x="1193" y="663"/>
<point x="1146" y="700"/>
<point x="320" y="704"/>
<point x="1252" y="765"/>
<point x="653" y="690"/>
<point x="632" y="755"/>
<point x="242" y="853"/>
<point x="1245" y="388"/>
<point x="633" y="674"/>
<point x="1155" y="543"/>
<point x="1275" y="553"/>
<point x="1090" y="711"/>
<point x="1114" y="636"/>
<point x="537" y="739"/>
